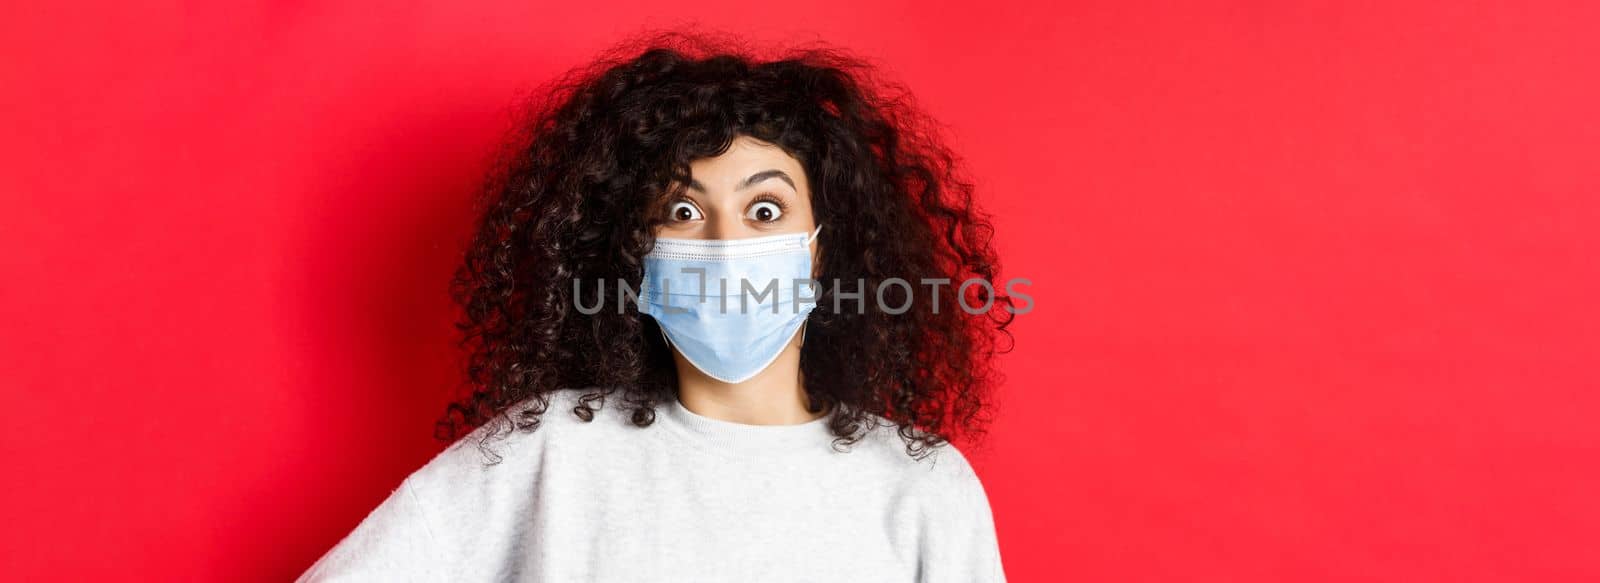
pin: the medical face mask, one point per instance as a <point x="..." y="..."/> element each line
<point x="730" y="306"/>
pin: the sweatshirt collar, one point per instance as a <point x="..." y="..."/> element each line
<point x="733" y="437"/>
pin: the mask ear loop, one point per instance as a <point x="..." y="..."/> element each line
<point x="807" y="323"/>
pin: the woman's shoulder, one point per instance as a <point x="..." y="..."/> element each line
<point x="924" y="470"/>
<point x="510" y="444"/>
<point x="941" y="497"/>
<point x="940" y="493"/>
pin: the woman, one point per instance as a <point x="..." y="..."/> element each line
<point x="629" y="432"/>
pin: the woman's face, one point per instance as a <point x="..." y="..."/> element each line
<point x="754" y="189"/>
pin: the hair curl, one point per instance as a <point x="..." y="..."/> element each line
<point x="577" y="192"/>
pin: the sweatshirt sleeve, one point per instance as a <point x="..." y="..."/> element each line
<point x="393" y="543"/>
<point x="960" y="545"/>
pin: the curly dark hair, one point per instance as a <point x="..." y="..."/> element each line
<point x="586" y="177"/>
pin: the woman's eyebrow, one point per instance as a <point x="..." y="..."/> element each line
<point x="747" y="182"/>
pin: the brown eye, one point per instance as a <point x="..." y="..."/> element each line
<point x="765" y="212"/>
<point x="684" y="211"/>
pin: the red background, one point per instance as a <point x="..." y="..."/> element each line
<point x="1315" y="281"/>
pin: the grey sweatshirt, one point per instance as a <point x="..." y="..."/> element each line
<point x="687" y="499"/>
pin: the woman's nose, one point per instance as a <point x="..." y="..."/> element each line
<point x="724" y="225"/>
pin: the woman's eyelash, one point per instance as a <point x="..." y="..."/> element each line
<point x="782" y="206"/>
<point x="672" y="205"/>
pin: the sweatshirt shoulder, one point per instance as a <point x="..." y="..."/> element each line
<point x="932" y="469"/>
<point x="943" y="501"/>
<point x="499" y="446"/>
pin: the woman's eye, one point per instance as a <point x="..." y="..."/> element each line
<point x="684" y="211"/>
<point x="765" y="212"/>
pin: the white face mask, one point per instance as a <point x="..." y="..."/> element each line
<point x="730" y="306"/>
